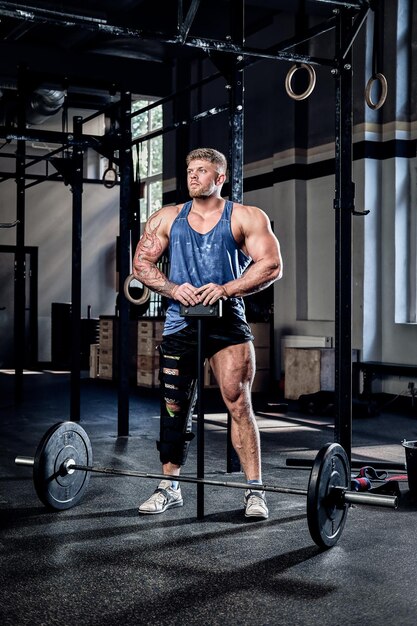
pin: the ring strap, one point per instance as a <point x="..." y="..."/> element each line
<point x="376" y="57"/>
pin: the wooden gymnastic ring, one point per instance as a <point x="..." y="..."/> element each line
<point x="384" y="90"/>
<point x="145" y="295"/>
<point x="109" y="183"/>
<point x="311" y="85"/>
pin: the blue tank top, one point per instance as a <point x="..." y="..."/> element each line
<point x="214" y="257"/>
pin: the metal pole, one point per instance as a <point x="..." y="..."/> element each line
<point x="200" y="417"/>
<point x="126" y="178"/>
<point x="343" y="204"/>
<point x="20" y="266"/>
<point x="33" y="299"/>
<point x="181" y="111"/>
<point x="77" y="190"/>
<point x="236" y="139"/>
<point x="236" y="121"/>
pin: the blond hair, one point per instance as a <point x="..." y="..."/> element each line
<point x="211" y="155"/>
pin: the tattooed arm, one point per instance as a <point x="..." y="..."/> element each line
<point x="149" y="250"/>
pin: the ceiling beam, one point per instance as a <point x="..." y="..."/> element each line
<point x="102" y="25"/>
<point x="111" y="73"/>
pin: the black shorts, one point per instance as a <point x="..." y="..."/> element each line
<point x="216" y="337"/>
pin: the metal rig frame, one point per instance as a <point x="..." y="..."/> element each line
<point x="232" y="56"/>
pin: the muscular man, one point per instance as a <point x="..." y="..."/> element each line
<point x="217" y="250"/>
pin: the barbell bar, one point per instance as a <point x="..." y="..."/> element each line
<point x="63" y="463"/>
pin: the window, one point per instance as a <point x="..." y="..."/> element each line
<point x="147" y="163"/>
<point x="147" y="158"/>
<point x="404" y="175"/>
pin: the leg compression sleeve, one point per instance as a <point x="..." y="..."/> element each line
<point x="179" y="396"/>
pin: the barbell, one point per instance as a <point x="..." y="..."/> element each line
<point x="63" y="463"/>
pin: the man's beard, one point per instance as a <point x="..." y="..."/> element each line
<point x="200" y="191"/>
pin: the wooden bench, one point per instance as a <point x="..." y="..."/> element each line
<point x="375" y="369"/>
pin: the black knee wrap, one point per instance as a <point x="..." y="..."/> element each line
<point x="176" y="426"/>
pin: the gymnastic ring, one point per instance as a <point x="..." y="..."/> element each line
<point x="311" y="85"/>
<point x="109" y="183"/>
<point x="145" y="295"/>
<point x="384" y="91"/>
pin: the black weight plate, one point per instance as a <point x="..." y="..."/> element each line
<point x="56" y="488"/>
<point x="326" y="514"/>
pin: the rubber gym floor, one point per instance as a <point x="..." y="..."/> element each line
<point x="100" y="563"/>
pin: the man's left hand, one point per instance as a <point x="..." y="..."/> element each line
<point x="210" y="293"/>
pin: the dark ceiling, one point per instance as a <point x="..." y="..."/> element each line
<point x="94" y="46"/>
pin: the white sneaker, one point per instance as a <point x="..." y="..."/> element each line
<point x="255" y="504"/>
<point x="163" y="498"/>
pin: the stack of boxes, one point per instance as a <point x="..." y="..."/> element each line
<point x="105" y="348"/>
<point x="94" y="360"/>
<point x="107" y="351"/>
<point x="149" y="338"/>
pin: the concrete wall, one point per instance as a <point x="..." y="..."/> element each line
<point x="48" y="226"/>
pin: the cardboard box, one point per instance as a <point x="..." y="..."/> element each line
<point x="106" y="339"/>
<point x="147" y="346"/>
<point x="105" y="371"/>
<point x="148" y="379"/>
<point x="308" y="370"/>
<point x="94" y="359"/>
<point x="150" y="328"/>
<point x="109" y="333"/>
<point x="106" y="323"/>
<point x="106" y="355"/>
<point x="106" y="334"/>
<point x="148" y="363"/>
<point x="302" y="371"/>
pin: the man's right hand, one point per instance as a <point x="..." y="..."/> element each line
<point x="186" y="294"/>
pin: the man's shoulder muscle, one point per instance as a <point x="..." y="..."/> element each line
<point x="244" y="216"/>
<point x="161" y="220"/>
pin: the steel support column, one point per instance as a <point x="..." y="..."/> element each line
<point x="236" y="143"/>
<point x="20" y="265"/>
<point x="344" y="206"/>
<point x="200" y="417"/>
<point x="77" y="190"/>
<point x="181" y="113"/>
<point x="236" y="127"/>
<point x="126" y="178"/>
